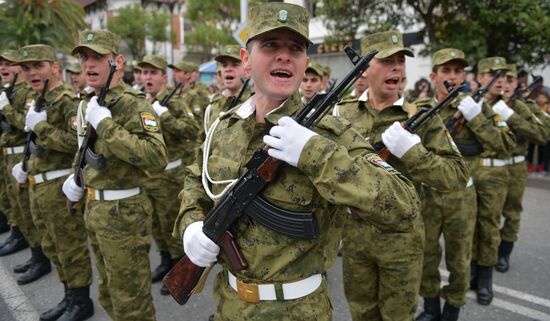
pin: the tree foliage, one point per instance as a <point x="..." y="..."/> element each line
<point x="516" y="29"/>
<point x="52" y="22"/>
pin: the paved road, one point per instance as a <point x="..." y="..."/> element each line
<point x="522" y="294"/>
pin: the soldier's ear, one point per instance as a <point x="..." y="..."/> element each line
<point x="119" y="61"/>
<point x="245" y="58"/>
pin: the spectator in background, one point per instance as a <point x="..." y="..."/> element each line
<point x="422" y="89"/>
<point x="471" y="82"/>
<point x="543" y="151"/>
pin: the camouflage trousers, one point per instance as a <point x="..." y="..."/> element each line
<point x="512" y="206"/>
<point x="313" y="307"/>
<point x="491" y="184"/>
<point x="64" y="239"/>
<point x="382" y="271"/>
<point x="4" y="179"/>
<point x="162" y="190"/>
<point x="120" y="237"/>
<point x="19" y="203"/>
<point x="453" y="215"/>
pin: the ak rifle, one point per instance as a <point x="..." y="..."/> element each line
<point x="30" y="145"/>
<point x="186" y="278"/>
<point x="171" y="94"/>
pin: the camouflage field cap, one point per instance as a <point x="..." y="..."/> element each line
<point x="316" y="68"/>
<point x="443" y="56"/>
<point x="183" y="66"/>
<point x="155" y="61"/>
<point x="35" y="53"/>
<point x="74" y="68"/>
<point x="278" y="15"/>
<point x="326" y="70"/>
<point x="229" y="51"/>
<point x="135" y="65"/>
<point x="100" y="41"/>
<point x="9" y="55"/>
<point x="491" y="64"/>
<point x="387" y="43"/>
<point x="512" y="70"/>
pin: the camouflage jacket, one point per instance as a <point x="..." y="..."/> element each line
<point x="196" y="97"/>
<point x="131" y="141"/>
<point x="542" y="116"/>
<point x="219" y="103"/>
<point x="15" y="116"/>
<point x="337" y="169"/>
<point x="526" y="126"/>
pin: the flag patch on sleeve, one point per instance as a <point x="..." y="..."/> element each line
<point x="149" y="122"/>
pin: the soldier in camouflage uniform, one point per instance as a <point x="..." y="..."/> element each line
<point x="326" y="171"/>
<point x="64" y="235"/>
<point x="382" y="269"/>
<point x="194" y="94"/>
<point x="449" y="213"/>
<point x="528" y="128"/>
<point x="312" y="82"/>
<point x="491" y="178"/>
<point x="180" y="132"/>
<point x="118" y="213"/>
<point x="232" y="74"/>
<point x="15" y="241"/>
<point x="78" y="79"/>
<point x="13" y="140"/>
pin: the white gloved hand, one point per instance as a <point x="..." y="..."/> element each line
<point x="287" y="140"/>
<point x="398" y="140"/>
<point x="503" y="110"/>
<point x="198" y="247"/>
<point x="18" y="173"/>
<point x="4" y="101"/>
<point x="96" y="113"/>
<point x="71" y="190"/>
<point x="469" y="108"/>
<point x="34" y="118"/>
<point x="159" y="109"/>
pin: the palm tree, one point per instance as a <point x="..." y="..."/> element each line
<point x="52" y="22"/>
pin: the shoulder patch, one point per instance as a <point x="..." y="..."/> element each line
<point x="336" y="125"/>
<point x="500" y="123"/>
<point x="149" y="122"/>
<point x="424" y="102"/>
<point x="375" y="160"/>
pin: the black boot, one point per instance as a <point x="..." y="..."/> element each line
<point x="473" y="275"/>
<point x="23" y="267"/>
<point x="55" y="312"/>
<point x="40" y="267"/>
<point x="504" y="251"/>
<point x="211" y="317"/>
<point x="81" y="306"/>
<point x="450" y="312"/>
<point x="485" y="285"/>
<point x="432" y="310"/>
<point x="4" y="226"/>
<point x="163" y="268"/>
<point x="16" y="242"/>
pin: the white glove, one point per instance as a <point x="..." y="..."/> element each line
<point x="34" y="118"/>
<point x="398" y="140"/>
<point x="198" y="247"/>
<point x="4" y="101"/>
<point x="469" y="108"/>
<point x="287" y="140"/>
<point x="18" y="173"/>
<point x="96" y="113"/>
<point x="159" y="109"/>
<point x="71" y="190"/>
<point x="503" y="110"/>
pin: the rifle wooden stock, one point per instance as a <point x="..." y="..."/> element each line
<point x="185" y="278"/>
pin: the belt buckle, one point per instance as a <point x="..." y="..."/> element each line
<point x="248" y="292"/>
<point x="91" y="194"/>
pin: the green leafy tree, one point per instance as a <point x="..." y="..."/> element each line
<point x="157" y="27"/>
<point x="129" y="23"/>
<point x="52" y="22"/>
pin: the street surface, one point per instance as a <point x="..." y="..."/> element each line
<point x="522" y="294"/>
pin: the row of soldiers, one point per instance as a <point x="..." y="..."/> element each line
<point x="161" y="180"/>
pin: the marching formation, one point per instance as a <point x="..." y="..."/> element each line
<point x="265" y="177"/>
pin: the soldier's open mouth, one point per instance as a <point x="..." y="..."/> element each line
<point x="36" y="81"/>
<point x="229" y="78"/>
<point x="392" y="81"/>
<point x="91" y="73"/>
<point x="281" y="74"/>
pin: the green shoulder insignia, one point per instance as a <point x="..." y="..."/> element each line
<point x="149" y="122"/>
<point x="375" y="160"/>
<point x="336" y="125"/>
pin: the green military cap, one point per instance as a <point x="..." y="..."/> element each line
<point x="74" y="68"/>
<point x="491" y="64"/>
<point x="100" y="41"/>
<point x="183" y="66"/>
<point x="155" y="61"/>
<point x="443" y="56"/>
<point x="35" y="53"/>
<point x="9" y="55"/>
<point x="387" y="43"/>
<point x="218" y="67"/>
<point x="229" y="51"/>
<point x="512" y="70"/>
<point x="326" y="70"/>
<point x="277" y="15"/>
<point x="316" y="68"/>
<point x="135" y="65"/>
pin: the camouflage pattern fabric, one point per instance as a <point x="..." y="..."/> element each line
<point x="196" y="97"/>
<point x="219" y="103"/>
<point x="513" y="204"/>
<point x="336" y="169"/>
<point x="4" y="202"/>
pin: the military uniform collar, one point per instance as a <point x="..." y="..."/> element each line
<point x="399" y="102"/>
<point x="288" y="107"/>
